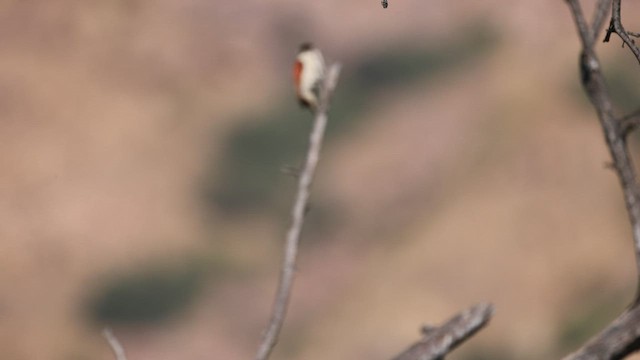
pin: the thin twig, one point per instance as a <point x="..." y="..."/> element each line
<point x="602" y="9"/>
<point x="439" y="341"/>
<point x="630" y="122"/>
<point x="586" y="37"/>
<point x="622" y="336"/>
<point x="270" y="337"/>
<point x="116" y="347"/>
<point x="616" y="27"/>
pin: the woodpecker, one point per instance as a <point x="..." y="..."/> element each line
<point x="308" y="74"/>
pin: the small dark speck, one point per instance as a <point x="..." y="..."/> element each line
<point x="385" y="3"/>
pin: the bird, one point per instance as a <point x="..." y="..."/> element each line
<point x="308" y="74"/>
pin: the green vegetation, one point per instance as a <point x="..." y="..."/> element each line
<point x="584" y="323"/>
<point x="254" y="157"/>
<point x="250" y="177"/>
<point x="146" y="296"/>
<point x="625" y="89"/>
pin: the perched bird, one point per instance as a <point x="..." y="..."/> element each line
<point x="308" y="74"/>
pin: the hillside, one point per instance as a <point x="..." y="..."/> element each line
<point x="142" y="147"/>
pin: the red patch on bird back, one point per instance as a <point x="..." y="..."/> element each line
<point x="297" y="72"/>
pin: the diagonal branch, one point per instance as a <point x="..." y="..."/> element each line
<point x="116" y="347"/>
<point x="270" y="337"/>
<point x="588" y="33"/>
<point x="584" y="32"/>
<point x="622" y="336"/>
<point x="594" y="84"/>
<point x="602" y="9"/>
<point x="438" y="342"/>
<point x="618" y="340"/>
<point x="616" y="27"/>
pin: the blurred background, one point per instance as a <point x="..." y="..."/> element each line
<point x="141" y="148"/>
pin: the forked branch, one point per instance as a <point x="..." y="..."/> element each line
<point x="622" y="336"/>
<point x="614" y="128"/>
<point x="615" y="26"/>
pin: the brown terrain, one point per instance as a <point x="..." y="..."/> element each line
<point x="482" y="180"/>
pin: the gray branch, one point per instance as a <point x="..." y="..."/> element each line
<point x="270" y="337"/>
<point x="438" y="342"/>
<point x="622" y="336"/>
<point x="616" y="27"/>
<point x="602" y="9"/>
<point x="116" y="347"/>
<point x="594" y="84"/>
<point x="618" y="340"/>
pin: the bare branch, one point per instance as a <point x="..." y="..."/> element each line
<point x="616" y="27"/>
<point x="116" y="347"/>
<point x="270" y="337"/>
<point x="630" y="122"/>
<point x="584" y="31"/>
<point x="617" y="341"/>
<point x="602" y="9"/>
<point x="622" y="336"/>
<point x="594" y="84"/>
<point x="439" y="341"/>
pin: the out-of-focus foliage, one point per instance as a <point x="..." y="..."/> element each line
<point x="594" y="316"/>
<point x="250" y="176"/>
<point x="625" y="88"/>
<point x="148" y="295"/>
